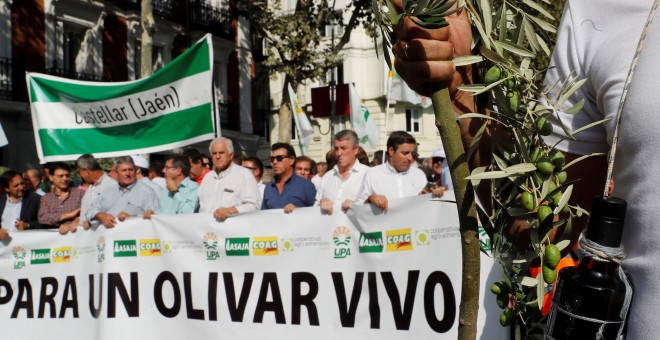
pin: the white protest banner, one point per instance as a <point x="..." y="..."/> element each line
<point x="365" y="275"/>
<point x="171" y="108"/>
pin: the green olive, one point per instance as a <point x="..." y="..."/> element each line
<point x="558" y="158"/>
<point x="561" y="177"/>
<point x="527" y="200"/>
<point x="543" y="126"/>
<point x="545" y="166"/>
<point x="549" y="274"/>
<point x="551" y="256"/>
<point x="493" y="74"/>
<point x="544" y="212"/>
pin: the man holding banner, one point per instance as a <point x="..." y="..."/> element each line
<point x="60" y="208"/>
<point x="98" y="181"/>
<point x="129" y="198"/>
<point x="287" y="190"/>
<point x="229" y="189"/>
<point x="181" y="196"/>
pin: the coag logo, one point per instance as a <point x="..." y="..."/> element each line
<point x="150" y="247"/>
<point x="62" y="254"/>
<point x="398" y="240"/>
<point x="422" y="237"/>
<point x="125" y="248"/>
<point x="371" y="242"/>
<point x="238" y="246"/>
<point x="265" y="245"/>
<point x="211" y="245"/>
<point x="40" y="256"/>
<point x="100" y="249"/>
<point x="342" y="239"/>
<point x="19" y="257"/>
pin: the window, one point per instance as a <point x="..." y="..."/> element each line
<point x="413" y="120"/>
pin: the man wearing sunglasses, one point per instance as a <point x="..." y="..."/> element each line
<point x="229" y="189"/>
<point x="287" y="190"/>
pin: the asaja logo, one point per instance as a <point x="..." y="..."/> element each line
<point x="40" y="256"/>
<point x="62" y="254"/>
<point x="211" y="245"/>
<point x="422" y="237"/>
<point x="125" y="248"/>
<point x="371" y="242"/>
<point x="342" y="238"/>
<point x="265" y="245"/>
<point x="19" y="257"/>
<point x="100" y="249"/>
<point x="150" y="247"/>
<point x="238" y="246"/>
<point x="398" y="240"/>
<point x="286" y="244"/>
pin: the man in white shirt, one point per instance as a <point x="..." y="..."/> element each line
<point x="395" y="178"/>
<point x="91" y="172"/>
<point x="256" y="166"/>
<point x="229" y="189"/>
<point x="339" y="186"/>
<point x="142" y="174"/>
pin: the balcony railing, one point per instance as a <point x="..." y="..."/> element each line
<point x="5" y="78"/>
<point x="163" y="9"/>
<point x="206" y="17"/>
<point x="73" y="74"/>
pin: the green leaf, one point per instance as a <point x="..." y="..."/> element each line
<point x="575" y="108"/>
<point x="563" y="244"/>
<point x="581" y="158"/>
<point x="476" y="88"/>
<point x="488" y="175"/>
<point x="476" y="140"/>
<point x="467" y="60"/>
<point x="486" y="14"/>
<point x="564" y="199"/>
<point x="475" y="115"/>
<point x="543" y="24"/>
<point x="530" y="35"/>
<point x="538" y="8"/>
<point x="519" y="50"/>
<point x="569" y="92"/>
<point x="540" y="289"/>
<point x="588" y="126"/>
<point x="528" y="281"/>
<point x="520" y="168"/>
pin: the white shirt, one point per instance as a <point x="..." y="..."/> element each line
<point x="92" y="193"/>
<point x="385" y="180"/>
<point x="234" y="187"/>
<point x="161" y="182"/>
<point x="262" y="187"/>
<point x="11" y="214"/>
<point x="334" y="188"/>
<point x="153" y="186"/>
<point x="317" y="180"/>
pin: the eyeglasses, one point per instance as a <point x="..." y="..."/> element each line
<point x="303" y="169"/>
<point x="278" y="158"/>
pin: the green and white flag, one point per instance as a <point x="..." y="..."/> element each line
<point x="362" y="121"/>
<point x="172" y="108"/>
<point x="303" y="126"/>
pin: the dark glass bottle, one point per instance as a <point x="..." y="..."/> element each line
<point x="593" y="289"/>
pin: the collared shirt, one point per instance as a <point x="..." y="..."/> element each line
<point x="155" y="187"/>
<point x="262" y="187"/>
<point x="234" y="187"/>
<point x="201" y="177"/>
<point x="338" y="190"/>
<point x="93" y="192"/>
<point x="134" y="200"/>
<point x="11" y="214"/>
<point x="52" y="207"/>
<point x="385" y="180"/>
<point x="297" y="191"/>
<point x="184" y="201"/>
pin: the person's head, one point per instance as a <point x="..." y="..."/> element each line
<point x="156" y="169"/>
<point x="255" y="165"/>
<point x="321" y="168"/>
<point x="60" y="175"/>
<point x="362" y="156"/>
<point x="400" y="148"/>
<point x="346" y="147"/>
<point x="282" y="159"/>
<point x="32" y="179"/>
<point x="89" y="168"/>
<point x="196" y="163"/>
<point x="113" y="172"/>
<point x="125" y="171"/>
<point x="13" y="184"/>
<point x="437" y="157"/>
<point x="378" y="158"/>
<point x="177" y="168"/>
<point x="206" y="161"/>
<point x="222" y="153"/>
<point x="331" y="158"/>
<point x="141" y="166"/>
<point x="303" y="167"/>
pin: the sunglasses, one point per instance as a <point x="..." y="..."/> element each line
<point x="278" y="158"/>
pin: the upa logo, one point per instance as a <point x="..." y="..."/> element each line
<point x="342" y="239"/>
<point x="150" y="247"/>
<point x="40" y="256"/>
<point x="100" y="249"/>
<point x="238" y="246"/>
<point x="398" y="240"/>
<point x="19" y="257"/>
<point x="62" y="254"/>
<point x="125" y="248"/>
<point x="265" y="246"/>
<point x="371" y="242"/>
<point x="211" y="245"/>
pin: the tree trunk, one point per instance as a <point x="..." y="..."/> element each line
<point x="445" y="121"/>
<point x="148" y="29"/>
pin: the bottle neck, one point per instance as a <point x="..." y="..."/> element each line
<point x="605" y="267"/>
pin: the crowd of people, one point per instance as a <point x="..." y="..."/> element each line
<point x="220" y="184"/>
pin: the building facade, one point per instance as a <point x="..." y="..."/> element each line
<point x="101" y="41"/>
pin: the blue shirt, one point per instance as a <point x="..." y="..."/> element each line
<point x="134" y="200"/>
<point x="184" y="201"/>
<point x="297" y="191"/>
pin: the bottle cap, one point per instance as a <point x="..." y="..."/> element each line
<point x="606" y="221"/>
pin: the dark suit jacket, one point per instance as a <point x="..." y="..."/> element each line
<point x="29" y="209"/>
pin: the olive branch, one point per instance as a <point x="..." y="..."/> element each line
<point x="527" y="178"/>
